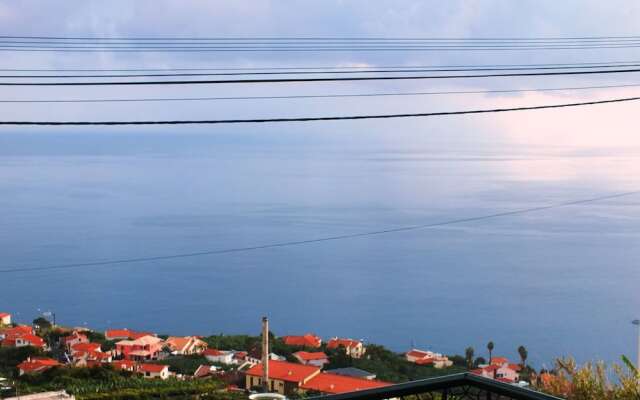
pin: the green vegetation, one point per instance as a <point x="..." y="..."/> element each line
<point x="105" y="383"/>
<point x="592" y="381"/>
<point x="10" y="357"/>
<point x="185" y="365"/>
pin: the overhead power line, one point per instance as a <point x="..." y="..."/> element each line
<point x="333" y="67"/>
<point x="312" y="241"/>
<point x="318" y="79"/>
<point x="322" y="96"/>
<point x="311" y="119"/>
<point x="319" y="72"/>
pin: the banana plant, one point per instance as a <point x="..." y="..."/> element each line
<point x="634" y="369"/>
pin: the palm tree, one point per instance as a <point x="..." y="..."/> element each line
<point x="523" y="355"/>
<point x="490" y="348"/>
<point x="468" y="352"/>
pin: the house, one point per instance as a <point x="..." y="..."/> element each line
<point x="284" y="377"/>
<point x="5" y="318"/>
<point x="185" y="345"/>
<point x="87" y="356"/>
<point x="16" y="331"/>
<point x="327" y="383"/>
<point x="219" y="356"/>
<point x="422" y="357"/>
<point x="23" y="340"/>
<point x="36" y="365"/>
<point x="317" y="359"/>
<point x="353" y="348"/>
<point x="353" y="372"/>
<point x="152" y="371"/>
<point x="308" y="340"/>
<point x="75" y="338"/>
<point x="122" y="334"/>
<point x="88" y="346"/>
<point x="204" y="371"/>
<point x="500" y="369"/>
<point x="124" y="365"/>
<point x="144" y="348"/>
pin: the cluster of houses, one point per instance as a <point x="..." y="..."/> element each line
<point x="500" y="369"/>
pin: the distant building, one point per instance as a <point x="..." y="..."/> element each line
<point x="121" y="334"/>
<point x="16" y="331"/>
<point x="352" y="347"/>
<point x="219" y="356"/>
<point x="317" y="359"/>
<point x="24" y="340"/>
<point x="423" y="357"/>
<point x="36" y="365"/>
<point x="205" y="371"/>
<point x="308" y="340"/>
<point x="59" y="395"/>
<point x="75" y="338"/>
<point x="5" y="318"/>
<point x="500" y="369"/>
<point x="144" y="348"/>
<point x="353" y="372"/>
<point x="124" y="365"/>
<point x="185" y="345"/>
<point x="152" y="371"/>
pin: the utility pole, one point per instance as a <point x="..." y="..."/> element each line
<point x="636" y="322"/>
<point x="265" y="354"/>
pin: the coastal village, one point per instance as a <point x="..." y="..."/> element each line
<point x="303" y="370"/>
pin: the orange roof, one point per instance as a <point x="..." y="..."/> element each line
<point x="417" y="353"/>
<point x="35" y="341"/>
<point x="336" y="342"/>
<point x="37" y="364"/>
<point x="333" y="383"/>
<point x="285" y="371"/>
<point x="308" y="340"/>
<point x="86" y="347"/>
<point x="18" y="330"/>
<point x="4" y="314"/>
<point x="118" y="333"/>
<point x="499" y="360"/>
<point x="157" y="368"/>
<point x="307" y="356"/>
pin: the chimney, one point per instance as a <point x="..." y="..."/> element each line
<point x="265" y="354"/>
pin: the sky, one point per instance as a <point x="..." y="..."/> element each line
<point x="464" y="19"/>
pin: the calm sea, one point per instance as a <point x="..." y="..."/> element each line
<point x="562" y="281"/>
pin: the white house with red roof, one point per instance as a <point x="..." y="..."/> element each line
<point x="424" y="357"/>
<point x="124" y="365"/>
<point x="144" y="348"/>
<point x="5" y="318"/>
<point x="500" y="369"/>
<point x="185" y="345"/>
<point x="122" y="334"/>
<point x="24" y="340"/>
<point x="220" y="356"/>
<point x="152" y="371"/>
<point x="308" y="340"/>
<point x="352" y="347"/>
<point x="316" y="358"/>
<point x="36" y="365"/>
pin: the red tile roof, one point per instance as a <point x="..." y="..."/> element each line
<point x="37" y="364"/>
<point x="336" y="342"/>
<point x="285" y="371"/>
<point x="157" y="368"/>
<point x="308" y="356"/>
<point x="417" y="353"/>
<point x="18" y="330"/>
<point x="499" y="360"/>
<point x="118" y="333"/>
<point x="308" y="340"/>
<point x="86" y="347"/>
<point x="213" y="352"/>
<point x="124" y="364"/>
<point x="4" y="314"/>
<point x="34" y="340"/>
<point x="333" y="383"/>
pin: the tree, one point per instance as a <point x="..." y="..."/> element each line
<point x="523" y="355"/>
<point x="479" y="361"/>
<point x="468" y="355"/>
<point x="42" y="323"/>
<point x="490" y="348"/>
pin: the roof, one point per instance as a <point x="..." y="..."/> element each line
<point x="37" y="364"/>
<point x="352" y="371"/>
<point x="18" y="330"/>
<point x="285" y="371"/>
<point x="124" y="364"/>
<point x="337" y="342"/>
<point x="334" y="383"/>
<point x="118" y="333"/>
<point x="464" y="381"/>
<point x="86" y="347"/>
<point x="215" y="352"/>
<point x="4" y="314"/>
<point x="499" y="360"/>
<point x="310" y="356"/>
<point x="74" y="336"/>
<point x="204" y="370"/>
<point x="417" y="353"/>
<point x="141" y="341"/>
<point x="36" y="341"/>
<point x="307" y="340"/>
<point x="155" y="368"/>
